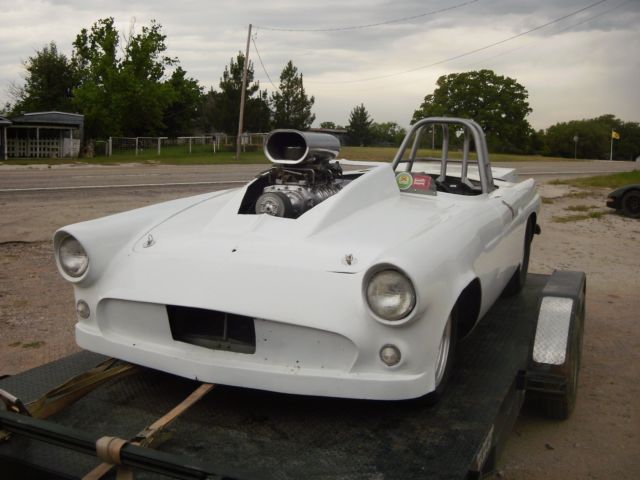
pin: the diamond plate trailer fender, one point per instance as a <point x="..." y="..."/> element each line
<point x="554" y="363"/>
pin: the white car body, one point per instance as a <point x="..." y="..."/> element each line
<point x="301" y="281"/>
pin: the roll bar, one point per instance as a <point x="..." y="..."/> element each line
<point x="470" y="128"/>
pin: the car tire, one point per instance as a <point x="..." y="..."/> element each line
<point x="519" y="278"/>
<point x="631" y="204"/>
<point x="446" y="358"/>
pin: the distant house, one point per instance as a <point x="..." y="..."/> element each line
<point x="43" y="135"/>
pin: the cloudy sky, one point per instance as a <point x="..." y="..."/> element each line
<point x="585" y="62"/>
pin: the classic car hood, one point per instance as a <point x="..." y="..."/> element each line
<point x="368" y="217"/>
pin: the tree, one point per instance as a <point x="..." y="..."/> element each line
<point x="594" y="138"/>
<point x="49" y="82"/>
<point x="185" y="105"/>
<point x="256" y="113"/>
<point x="499" y="104"/>
<point x="124" y="94"/>
<point x="329" y="125"/>
<point x="359" y="128"/>
<point x="209" y="110"/>
<point x="95" y="54"/>
<point x="387" y="133"/>
<point x="291" y="105"/>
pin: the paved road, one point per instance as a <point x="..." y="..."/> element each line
<point x="132" y="176"/>
<point x="17" y="179"/>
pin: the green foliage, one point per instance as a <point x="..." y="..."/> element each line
<point x="329" y="125"/>
<point x="185" y="105"/>
<point x="359" y="128"/>
<point x="594" y="138"/>
<point x="387" y="133"/>
<point x="227" y="101"/>
<point x="291" y="105"/>
<point x="49" y="82"/>
<point x="208" y="110"/>
<point x="125" y="95"/>
<point x="498" y="103"/>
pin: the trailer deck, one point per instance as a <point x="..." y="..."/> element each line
<point x="249" y="434"/>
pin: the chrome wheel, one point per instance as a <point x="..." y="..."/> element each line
<point x="443" y="352"/>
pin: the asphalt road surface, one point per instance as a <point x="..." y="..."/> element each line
<point x="34" y="178"/>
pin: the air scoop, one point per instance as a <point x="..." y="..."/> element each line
<point x="292" y="147"/>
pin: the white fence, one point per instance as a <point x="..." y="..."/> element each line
<point x="43" y="148"/>
<point x="156" y="146"/>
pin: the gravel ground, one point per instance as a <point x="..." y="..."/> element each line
<point x="600" y="441"/>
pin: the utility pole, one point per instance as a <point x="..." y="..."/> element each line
<point x="611" y="152"/>
<point x="242" y="95"/>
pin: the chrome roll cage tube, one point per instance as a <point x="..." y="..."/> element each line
<point x="469" y="128"/>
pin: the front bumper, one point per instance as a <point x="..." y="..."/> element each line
<point x="288" y="358"/>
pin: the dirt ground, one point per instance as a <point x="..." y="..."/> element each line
<point x="600" y="441"/>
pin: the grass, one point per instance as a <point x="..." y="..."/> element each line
<point x="615" y="180"/>
<point x="581" y="208"/>
<point x="179" y="156"/>
<point x="36" y="344"/>
<point x="582" y="194"/>
<point x="578" y="217"/>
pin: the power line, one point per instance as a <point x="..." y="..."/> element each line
<point x="253" y="39"/>
<point x="593" y="17"/>
<point x="358" y="27"/>
<point x="465" y="54"/>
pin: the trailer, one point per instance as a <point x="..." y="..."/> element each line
<point x="118" y="420"/>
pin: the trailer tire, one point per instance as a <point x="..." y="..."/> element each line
<point x="560" y="405"/>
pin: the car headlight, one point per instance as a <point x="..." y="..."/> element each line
<point x="390" y="295"/>
<point x="73" y="259"/>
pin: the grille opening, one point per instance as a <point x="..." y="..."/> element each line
<point x="212" y="329"/>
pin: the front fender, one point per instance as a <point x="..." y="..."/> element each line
<point x="105" y="237"/>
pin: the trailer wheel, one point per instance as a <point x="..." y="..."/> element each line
<point x="519" y="278"/>
<point x="554" y="366"/>
<point x="561" y="406"/>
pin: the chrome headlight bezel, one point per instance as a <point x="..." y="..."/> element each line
<point x="68" y="249"/>
<point x="402" y="280"/>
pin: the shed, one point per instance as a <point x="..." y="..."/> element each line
<point x="4" y="123"/>
<point x="44" y="135"/>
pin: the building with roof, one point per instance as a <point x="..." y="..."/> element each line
<point x="42" y="135"/>
<point x="4" y="123"/>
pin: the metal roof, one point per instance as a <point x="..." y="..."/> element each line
<point x="4" y="121"/>
<point x="49" y="118"/>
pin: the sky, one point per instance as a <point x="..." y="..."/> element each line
<point x="385" y="54"/>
